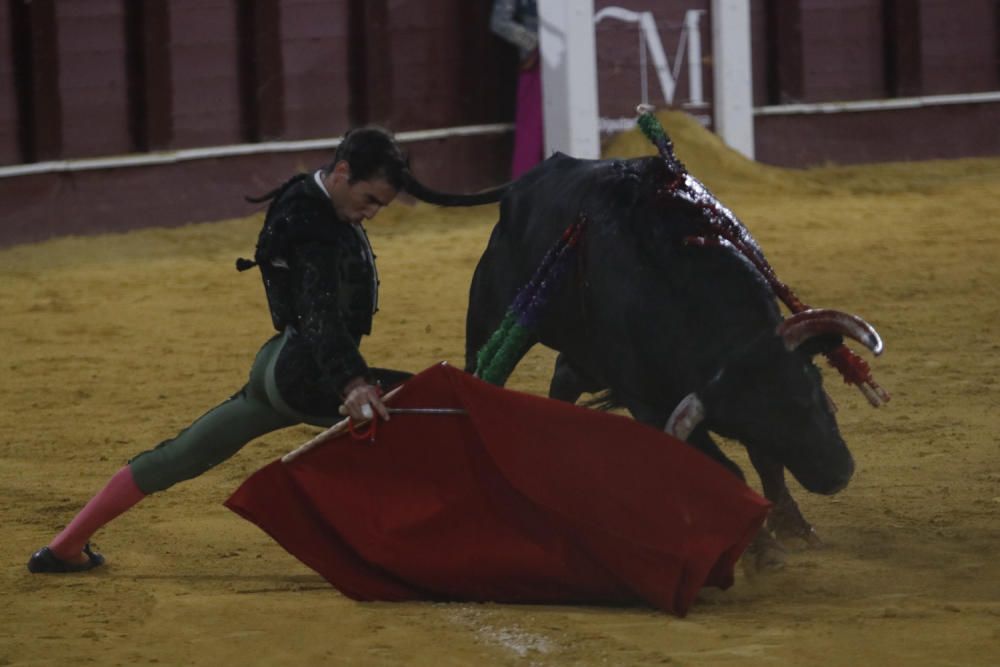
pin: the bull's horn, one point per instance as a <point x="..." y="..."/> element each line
<point x="800" y="327"/>
<point x="686" y="417"/>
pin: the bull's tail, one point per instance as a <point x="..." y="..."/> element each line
<point x="424" y="193"/>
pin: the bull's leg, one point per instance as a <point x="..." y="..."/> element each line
<point x="568" y="383"/>
<point x="486" y="310"/>
<point x="703" y="442"/>
<point x="764" y="553"/>
<point x="785" y="519"/>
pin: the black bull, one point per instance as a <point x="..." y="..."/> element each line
<point x="653" y="319"/>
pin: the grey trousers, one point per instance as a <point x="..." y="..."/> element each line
<point x="255" y="410"/>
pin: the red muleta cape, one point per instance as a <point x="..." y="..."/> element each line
<point x="523" y="499"/>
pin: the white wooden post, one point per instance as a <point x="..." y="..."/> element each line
<point x="733" y="74"/>
<point x="569" y="77"/>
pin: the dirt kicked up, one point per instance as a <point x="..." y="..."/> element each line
<point x="113" y="343"/>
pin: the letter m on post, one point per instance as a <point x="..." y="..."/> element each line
<point x="651" y="48"/>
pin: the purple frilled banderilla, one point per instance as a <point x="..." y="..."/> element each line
<point x="496" y="360"/>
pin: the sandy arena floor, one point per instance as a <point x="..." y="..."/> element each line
<point x="113" y="343"/>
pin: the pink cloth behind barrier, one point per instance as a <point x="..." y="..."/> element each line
<point x="529" y="141"/>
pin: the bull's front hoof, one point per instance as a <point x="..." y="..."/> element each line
<point x="800" y="540"/>
<point x="797" y="538"/>
<point x="765" y="554"/>
<point x="790" y="528"/>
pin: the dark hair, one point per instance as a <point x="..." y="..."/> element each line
<point x="372" y="152"/>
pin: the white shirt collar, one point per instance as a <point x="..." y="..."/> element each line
<point x="318" y="176"/>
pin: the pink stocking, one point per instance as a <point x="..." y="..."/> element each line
<point x="118" y="495"/>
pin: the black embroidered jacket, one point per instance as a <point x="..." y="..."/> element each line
<point x="320" y="279"/>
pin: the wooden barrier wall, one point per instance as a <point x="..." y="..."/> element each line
<point x="89" y="78"/>
<point x="106" y="77"/>
<point x="837" y="50"/>
<point x="9" y="151"/>
<point x="814" y="51"/>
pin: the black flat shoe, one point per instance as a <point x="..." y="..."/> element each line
<point x="44" y="561"/>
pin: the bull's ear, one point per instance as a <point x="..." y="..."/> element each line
<point x="821" y="344"/>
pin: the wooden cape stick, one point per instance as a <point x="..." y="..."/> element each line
<point x="334" y="430"/>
